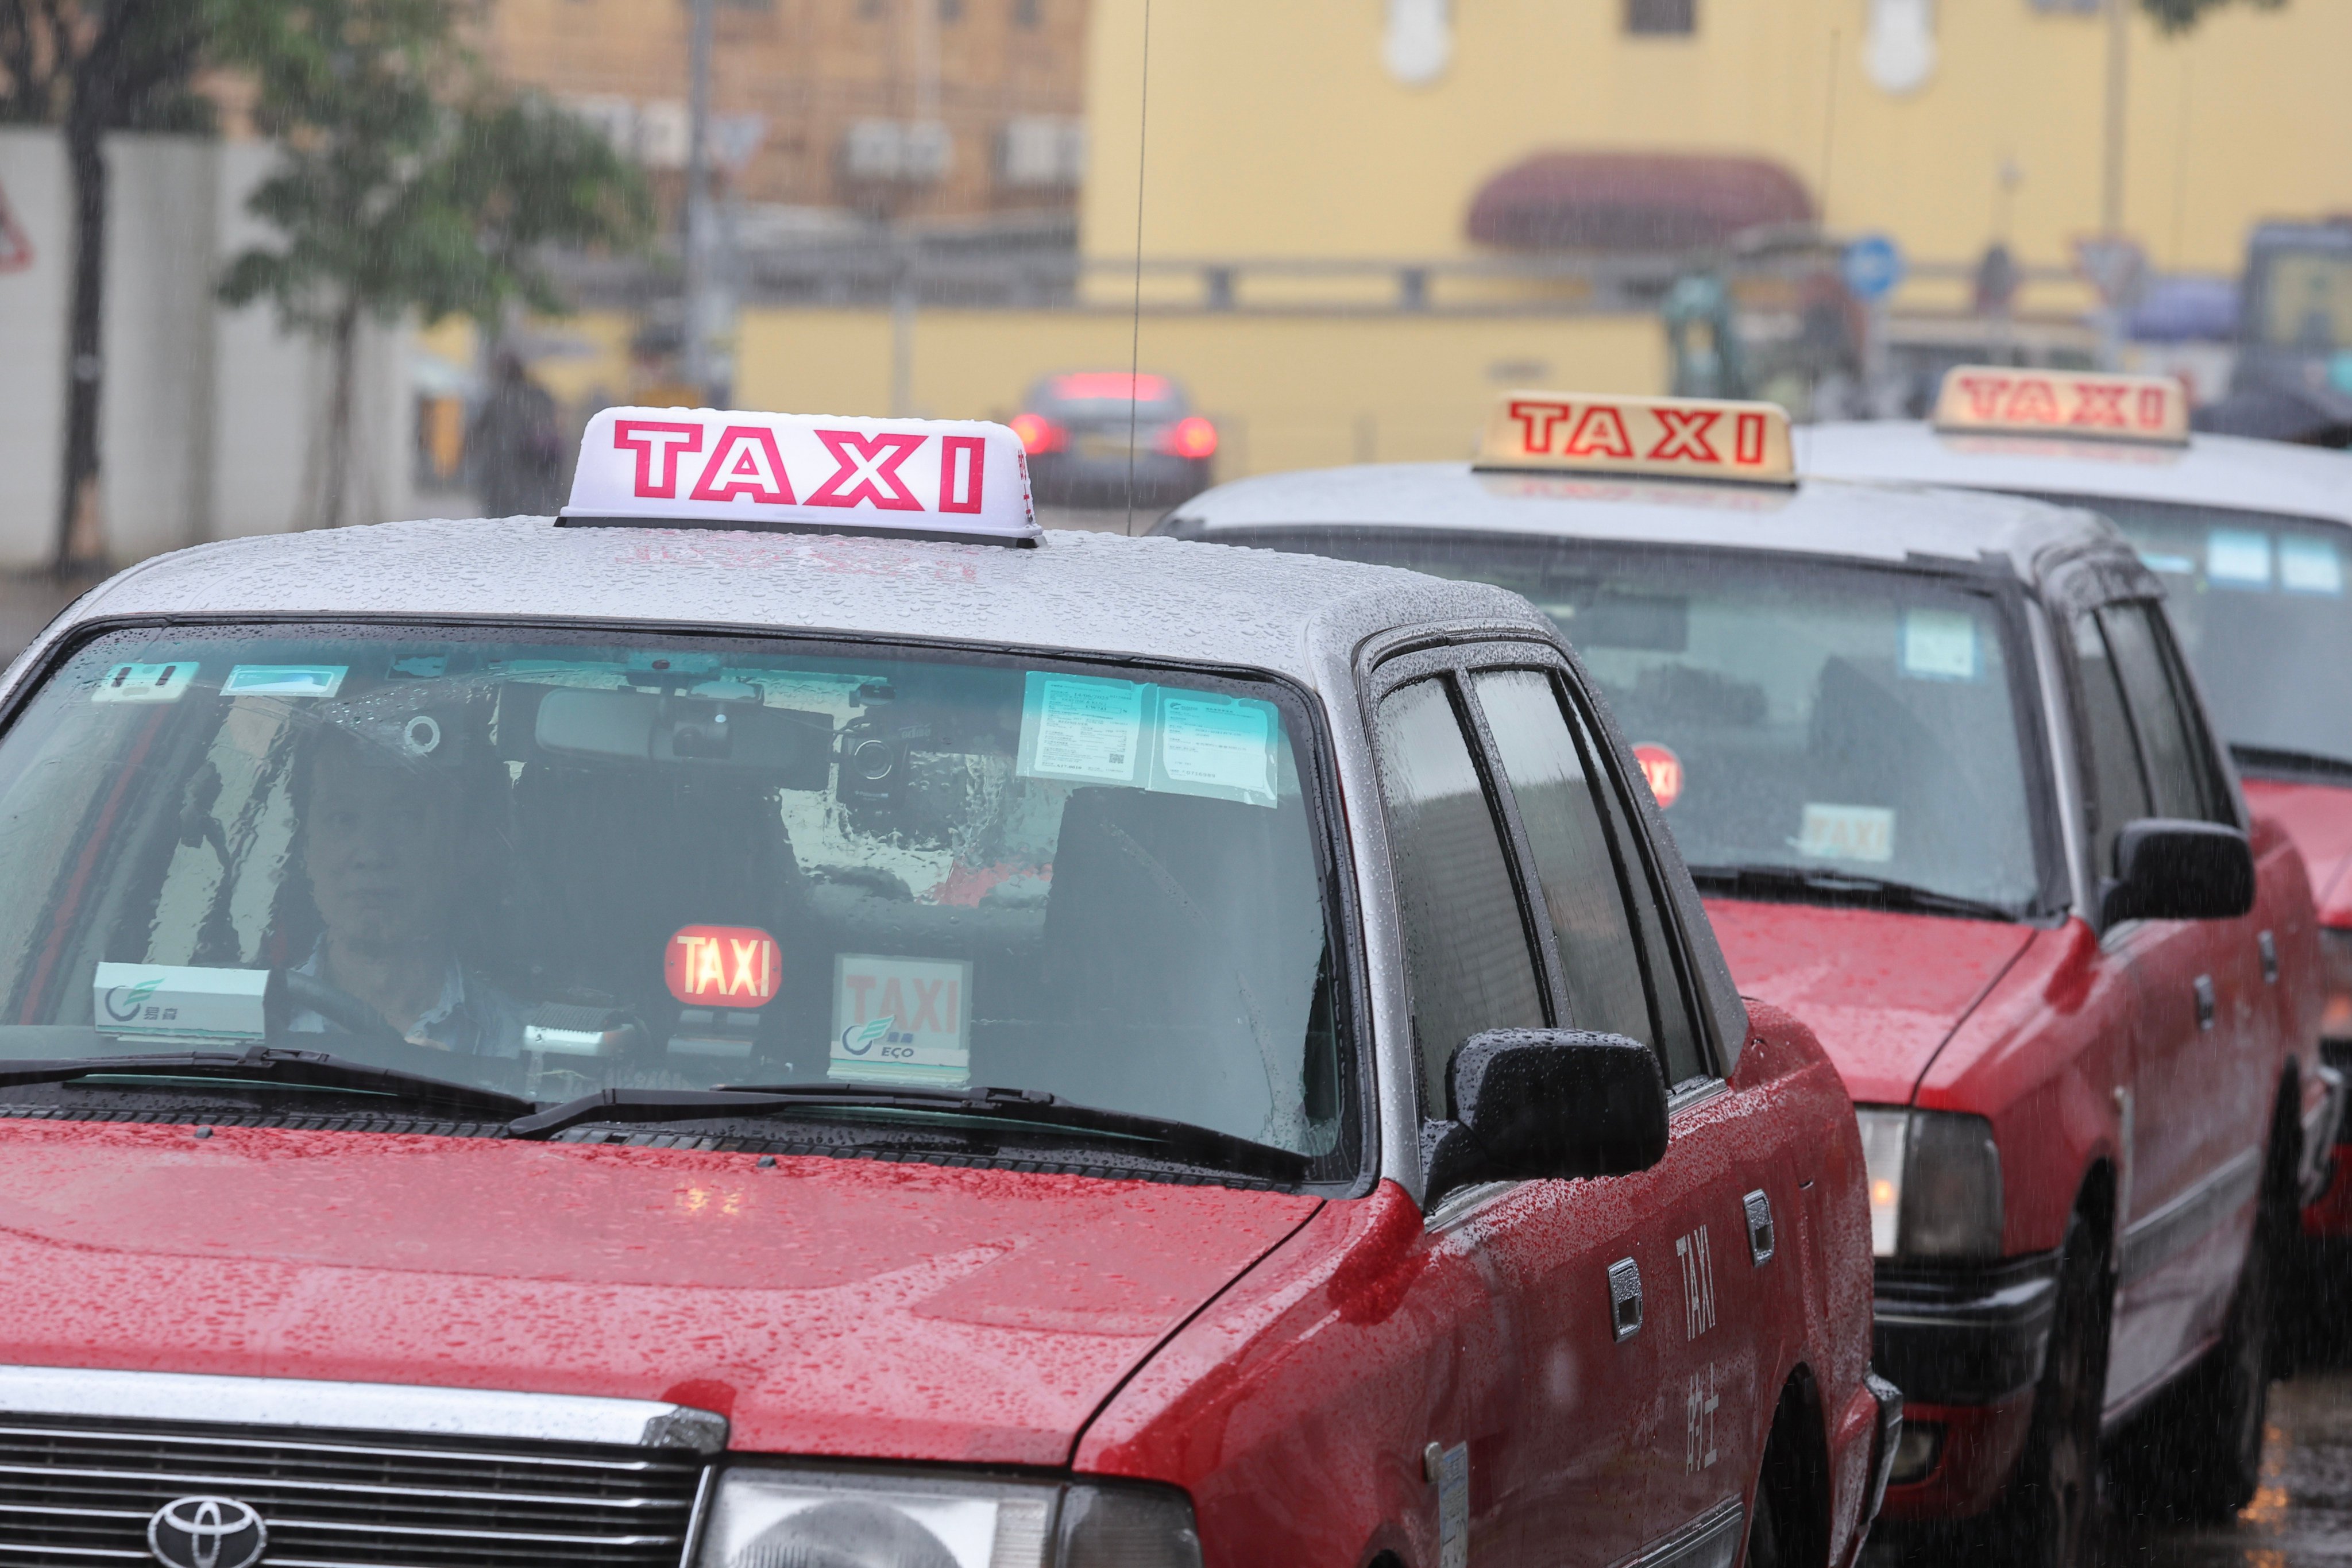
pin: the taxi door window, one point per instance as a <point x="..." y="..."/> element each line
<point x="2179" y="774"/>
<point x="1468" y="964"/>
<point x="2117" y="790"/>
<point x="1678" y="1032"/>
<point x="1582" y="881"/>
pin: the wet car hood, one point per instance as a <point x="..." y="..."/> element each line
<point x="2318" y="818"/>
<point x="825" y="1306"/>
<point x="1883" y="992"/>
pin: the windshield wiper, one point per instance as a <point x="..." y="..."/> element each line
<point x="1844" y="887"/>
<point x="273" y="1064"/>
<point x="1177" y="1141"/>
<point x="2287" y="760"/>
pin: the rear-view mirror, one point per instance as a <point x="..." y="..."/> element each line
<point x="791" y="748"/>
<point x="2167" y="869"/>
<point x="1548" y="1104"/>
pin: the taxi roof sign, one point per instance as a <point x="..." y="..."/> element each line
<point x="1992" y="399"/>
<point x="706" y="467"/>
<point x="1679" y="437"/>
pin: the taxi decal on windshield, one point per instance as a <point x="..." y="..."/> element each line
<point x="707" y="468"/>
<point x="900" y="1020"/>
<point x="1983" y="397"/>
<point x="1683" y="437"/>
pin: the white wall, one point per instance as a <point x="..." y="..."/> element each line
<point x="212" y="419"/>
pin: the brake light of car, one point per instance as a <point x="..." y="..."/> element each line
<point x="1191" y="437"/>
<point x="1039" y="434"/>
<point x="2335" y="974"/>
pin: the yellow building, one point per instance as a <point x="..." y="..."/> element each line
<point x="1364" y="128"/>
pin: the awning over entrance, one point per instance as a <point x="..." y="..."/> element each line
<point x="1633" y="201"/>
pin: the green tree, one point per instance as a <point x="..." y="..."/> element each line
<point x="2180" y="15"/>
<point x="90" y="67"/>
<point x="408" y="183"/>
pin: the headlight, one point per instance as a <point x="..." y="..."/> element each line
<point x="1934" y="1184"/>
<point x="2335" y="976"/>
<point x="764" y="1518"/>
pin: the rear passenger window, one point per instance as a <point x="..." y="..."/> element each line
<point x="2180" y="775"/>
<point x="1468" y="966"/>
<point x="1583" y="891"/>
<point x="2116" y="791"/>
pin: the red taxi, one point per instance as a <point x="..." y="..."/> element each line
<point x="786" y="1018"/>
<point x="2251" y="540"/>
<point x="1936" y="764"/>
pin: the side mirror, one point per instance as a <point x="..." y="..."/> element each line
<point x="1548" y="1104"/>
<point x="2172" y="870"/>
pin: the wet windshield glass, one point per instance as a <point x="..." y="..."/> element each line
<point x="2252" y="595"/>
<point x="555" y="865"/>
<point x="1821" y="719"/>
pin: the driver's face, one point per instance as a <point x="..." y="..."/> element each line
<point x="381" y="854"/>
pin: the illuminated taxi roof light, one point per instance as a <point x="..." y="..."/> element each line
<point x="706" y="467"/>
<point x="1982" y="398"/>
<point x="1683" y="438"/>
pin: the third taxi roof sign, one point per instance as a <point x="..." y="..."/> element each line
<point x="1683" y="437"/>
<point x="2003" y="399"/>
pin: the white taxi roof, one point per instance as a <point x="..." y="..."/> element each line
<point x="2227" y="471"/>
<point x="1884" y="522"/>
<point x="1075" y="591"/>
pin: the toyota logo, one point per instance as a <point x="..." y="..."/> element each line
<point x="206" y="1532"/>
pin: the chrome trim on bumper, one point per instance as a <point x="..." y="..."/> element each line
<point x="1884" y="1444"/>
<point x="357" y="1407"/>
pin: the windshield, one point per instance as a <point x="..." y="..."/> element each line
<point x="1822" y="719"/>
<point x="560" y="865"/>
<point x="2252" y="595"/>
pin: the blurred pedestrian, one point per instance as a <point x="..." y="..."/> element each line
<point x="514" y="448"/>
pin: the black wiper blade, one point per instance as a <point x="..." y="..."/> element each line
<point x="1844" y="887"/>
<point x="276" y="1064"/>
<point x="1179" y="1140"/>
<point x="2288" y="760"/>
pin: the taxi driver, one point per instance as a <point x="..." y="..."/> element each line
<point x="383" y="844"/>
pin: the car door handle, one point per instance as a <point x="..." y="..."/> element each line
<point x="1625" y="1298"/>
<point x="2203" y="986"/>
<point x="1759" y="1226"/>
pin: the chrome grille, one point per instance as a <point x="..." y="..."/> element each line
<point x="77" y="1491"/>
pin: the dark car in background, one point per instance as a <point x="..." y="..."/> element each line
<point x="1078" y="428"/>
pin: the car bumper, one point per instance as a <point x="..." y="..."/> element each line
<point x="1066" y="478"/>
<point x="1965" y="1346"/>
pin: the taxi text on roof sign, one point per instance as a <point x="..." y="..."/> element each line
<point x="704" y="467"/>
<point x="1691" y="438"/>
<point x="2001" y="398"/>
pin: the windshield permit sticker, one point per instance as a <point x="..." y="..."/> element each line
<point x="1939" y="644"/>
<point x="284" y="680"/>
<point x="2238" y="558"/>
<point x="1847" y="832"/>
<point x="144" y="682"/>
<point x="2308" y="565"/>
<point x="1079" y="727"/>
<point x="722" y="966"/>
<point x="1662" y="771"/>
<point x="1213" y="745"/>
<point x="900" y="1020"/>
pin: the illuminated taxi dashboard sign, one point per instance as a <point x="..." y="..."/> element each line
<point x="1978" y="398"/>
<point x="1682" y="438"/>
<point x="703" y="467"/>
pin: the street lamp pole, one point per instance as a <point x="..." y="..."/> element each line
<point x="699" y="366"/>
<point x="2111" y="183"/>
